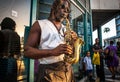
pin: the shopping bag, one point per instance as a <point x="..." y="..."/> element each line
<point x="96" y="58"/>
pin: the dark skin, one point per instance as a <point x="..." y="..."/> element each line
<point x="31" y="47"/>
<point x="97" y="43"/>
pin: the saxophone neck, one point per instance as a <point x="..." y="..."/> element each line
<point x="67" y="25"/>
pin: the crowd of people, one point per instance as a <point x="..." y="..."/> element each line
<point x="105" y="57"/>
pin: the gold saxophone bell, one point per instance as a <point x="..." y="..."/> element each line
<point x="72" y="58"/>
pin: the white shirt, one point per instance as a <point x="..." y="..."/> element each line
<point x="50" y="38"/>
<point x="87" y="61"/>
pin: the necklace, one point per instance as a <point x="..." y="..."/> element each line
<point x="59" y="29"/>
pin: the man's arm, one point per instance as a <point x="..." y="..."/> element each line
<point x="31" y="47"/>
<point x="94" y="50"/>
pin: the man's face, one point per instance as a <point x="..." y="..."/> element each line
<point x="63" y="11"/>
<point x="88" y="54"/>
<point x="97" y="40"/>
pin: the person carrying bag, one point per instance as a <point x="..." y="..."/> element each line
<point x="112" y="58"/>
<point x="98" y="61"/>
<point x="96" y="58"/>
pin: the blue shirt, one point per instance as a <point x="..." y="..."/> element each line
<point x="87" y="61"/>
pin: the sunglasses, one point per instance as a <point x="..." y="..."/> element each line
<point x="67" y="8"/>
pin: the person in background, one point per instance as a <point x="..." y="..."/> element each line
<point x="10" y="48"/>
<point x="112" y="61"/>
<point x="1" y="43"/>
<point x="118" y="48"/>
<point x="99" y="68"/>
<point x="118" y="53"/>
<point x="88" y="67"/>
<point x="46" y="43"/>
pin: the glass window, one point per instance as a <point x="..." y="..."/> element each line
<point x="77" y="20"/>
<point x="86" y="4"/>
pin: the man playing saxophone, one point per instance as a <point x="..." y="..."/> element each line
<point x="46" y="43"/>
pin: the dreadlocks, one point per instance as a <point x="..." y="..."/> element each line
<point x="55" y="8"/>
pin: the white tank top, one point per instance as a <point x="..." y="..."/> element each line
<point x="50" y="38"/>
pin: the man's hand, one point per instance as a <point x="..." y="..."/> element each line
<point x="74" y="35"/>
<point x="62" y="49"/>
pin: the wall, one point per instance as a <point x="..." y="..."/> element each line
<point x="105" y="4"/>
<point x="19" y="10"/>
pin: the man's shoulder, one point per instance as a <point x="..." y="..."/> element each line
<point x="93" y="45"/>
<point x="43" y="20"/>
<point x="8" y="32"/>
<point x="85" y="57"/>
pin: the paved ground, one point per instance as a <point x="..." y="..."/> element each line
<point x="107" y="78"/>
<point x="107" y="75"/>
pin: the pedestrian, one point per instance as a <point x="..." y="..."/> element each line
<point x="118" y="53"/>
<point x="88" y="67"/>
<point x="46" y="43"/>
<point x="118" y="48"/>
<point x="112" y="58"/>
<point x="99" y="68"/>
<point x="10" y="50"/>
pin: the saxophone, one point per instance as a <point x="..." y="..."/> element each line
<point x="77" y="44"/>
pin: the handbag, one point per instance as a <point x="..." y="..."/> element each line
<point x="96" y="58"/>
<point x="111" y="53"/>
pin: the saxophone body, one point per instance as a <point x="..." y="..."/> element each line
<point x="77" y="44"/>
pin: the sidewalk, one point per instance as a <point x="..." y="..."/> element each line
<point x="108" y="75"/>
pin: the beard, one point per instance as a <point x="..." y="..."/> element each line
<point x="60" y="17"/>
